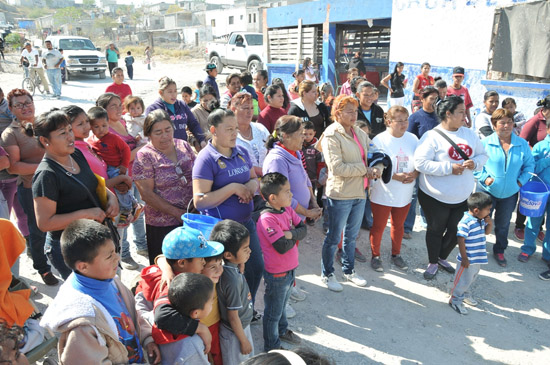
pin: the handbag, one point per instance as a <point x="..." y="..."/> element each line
<point x="108" y="222"/>
<point x="455" y="146"/>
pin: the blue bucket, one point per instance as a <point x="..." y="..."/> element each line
<point x="203" y="223"/>
<point x="533" y="197"/>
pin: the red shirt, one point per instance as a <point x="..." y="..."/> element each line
<point x="534" y="130"/>
<point x="112" y="149"/>
<point x="122" y="90"/>
<point x="424" y="82"/>
<point x="463" y="93"/>
<point x="268" y="117"/>
<point x="261" y="100"/>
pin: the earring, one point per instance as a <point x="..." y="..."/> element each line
<point x="47" y="144"/>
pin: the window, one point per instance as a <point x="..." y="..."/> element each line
<point x="254" y="17"/>
<point x="241" y="17"/>
<point x="213" y="23"/>
<point x="231" y="19"/>
<point x="249" y="18"/>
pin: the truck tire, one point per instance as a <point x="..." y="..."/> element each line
<point x="68" y="76"/>
<point x="218" y="62"/>
<point x="102" y="74"/>
<point x="254" y="66"/>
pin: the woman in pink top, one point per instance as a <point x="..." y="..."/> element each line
<point x="113" y="105"/>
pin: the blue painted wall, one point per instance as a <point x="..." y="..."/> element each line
<point x="314" y="12"/>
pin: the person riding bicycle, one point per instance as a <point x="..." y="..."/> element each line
<point x="31" y="56"/>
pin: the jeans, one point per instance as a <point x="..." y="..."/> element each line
<point x="325" y="214"/>
<point x="344" y="215"/>
<point x="411" y="216"/>
<point x="138" y="227"/>
<point x="442" y="219"/>
<point x="130" y="71"/>
<point x="277" y="293"/>
<point x="37" y="238"/>
<point x="53" y="251"/>
<point x="54" y="76"/>
<point x="531" y="231"/>
<point x="9" y="189"/>
<point x="126" y="200"/>
<point x="254" y="267"/>
<point x="503" y="209"/>
<point x="367" y="219"/>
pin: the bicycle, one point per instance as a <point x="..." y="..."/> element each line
<point x="32" y="82"/>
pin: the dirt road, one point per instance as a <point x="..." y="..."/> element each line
<point x="399" y="318"/>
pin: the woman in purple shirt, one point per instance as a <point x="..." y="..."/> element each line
<point x="162" y="173"/>
<point x="224" y="183"/>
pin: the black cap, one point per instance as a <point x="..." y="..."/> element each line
<point x="458" y="71"/>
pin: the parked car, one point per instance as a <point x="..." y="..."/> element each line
<point x="243" y="50"/>
<point x="81" y="55"/>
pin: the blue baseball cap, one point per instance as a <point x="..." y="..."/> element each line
<point x="187" y="243"/>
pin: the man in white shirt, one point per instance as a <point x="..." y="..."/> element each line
<point x="52" y="58"/>
<point x="32" y="57"/>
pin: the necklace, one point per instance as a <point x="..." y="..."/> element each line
<point x="249" y="136"/>
<point x="72" y="168"/>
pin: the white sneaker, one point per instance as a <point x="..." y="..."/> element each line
<point x="356" y="279"/>
<point x="297" y="295"/>
<point x="290" y="312"/>
<point x="470" y="301"/>
<point x="332" y="283"/>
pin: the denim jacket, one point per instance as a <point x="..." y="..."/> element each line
<point x="506" y="169"/>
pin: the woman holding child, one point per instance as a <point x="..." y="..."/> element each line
<point x="117" y="125"/>
<point x="58" y="185"/>
<point x="345" y="149"/>
<point x="446" y="179"/>
<point x="224" y="184"/>
<point x="162" y="173"/>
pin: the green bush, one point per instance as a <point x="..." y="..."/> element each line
<point x="13" y="39"/>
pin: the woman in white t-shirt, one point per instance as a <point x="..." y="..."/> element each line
<point x="446" y="179"/>
<point x="394" y="197"/>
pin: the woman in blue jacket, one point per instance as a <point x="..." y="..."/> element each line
<point x="541" y="153"/>
<point x="509" y="166"/>
<point x="179" y="112"/>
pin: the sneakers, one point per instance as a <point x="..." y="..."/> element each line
<point x="407" y="235"/>
<point x="359" y="256"/>
<point x="523" y="257"/>
<point x="256" y="317"/>
<point x="331" y="283"/>
<point x="445" y="265"/>
<point x="123" y="220"/>
<point x="519" y="233"/>
<point x="399" y="262"/>
<point x="430" y="272"/>
<point x="291" y="337"/>
<point x="143" y="252"/>
<point x="354" y="278"/>
<point x="128" y="263"/>
<point x="138" y="209"/>
<point x="290" y="312"/>
<point x="459" y="308"/>
<point x="338" y="257"/>
<point x="297" y="295"/>
<point x="545" y="275"/>
<point x="501" y="261"/>
<point x="376" y="264"/>
<point x="470" y="301"/>
<point x="540" y="236"/>
<point x="49" y="279"/>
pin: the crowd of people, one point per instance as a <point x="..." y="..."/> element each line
<point x="266" y="162"/>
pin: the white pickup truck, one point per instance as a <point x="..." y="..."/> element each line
<point x="243" y="50"/>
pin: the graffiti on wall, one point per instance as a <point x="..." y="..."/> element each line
<point x="450" y="4"/>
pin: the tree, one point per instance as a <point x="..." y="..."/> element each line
<point x="88" y="4"/>
<point x="107" y="24"/>
<point x="67" y="15"/>
<point x="13" y="39"/>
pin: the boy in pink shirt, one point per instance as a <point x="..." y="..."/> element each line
<point x="116" y="154"/>
<point x="279" y="228"/>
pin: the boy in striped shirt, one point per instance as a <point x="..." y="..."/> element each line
<point x="472" y="229"/>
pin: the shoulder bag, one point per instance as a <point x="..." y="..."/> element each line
<point x="457" y="149"/>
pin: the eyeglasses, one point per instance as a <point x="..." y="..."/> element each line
<point x="399" y="121"/>
<point x="21" y="106"/>
<point x="180" y="174"/>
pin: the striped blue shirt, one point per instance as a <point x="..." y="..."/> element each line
<point x="473" y="231"/>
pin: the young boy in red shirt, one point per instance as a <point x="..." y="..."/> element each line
<point x="118" y="86"/>
<point x="116" y="154"/>
<point x="457" y="89"/>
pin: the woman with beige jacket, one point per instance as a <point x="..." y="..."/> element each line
<point x="345" y="149"/>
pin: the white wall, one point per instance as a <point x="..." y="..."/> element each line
<point x="222" y="20"/>
<point x="443" y="32"/>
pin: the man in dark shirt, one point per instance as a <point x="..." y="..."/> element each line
<point x="368" y="111"/>
<point x="212" y="72"/>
